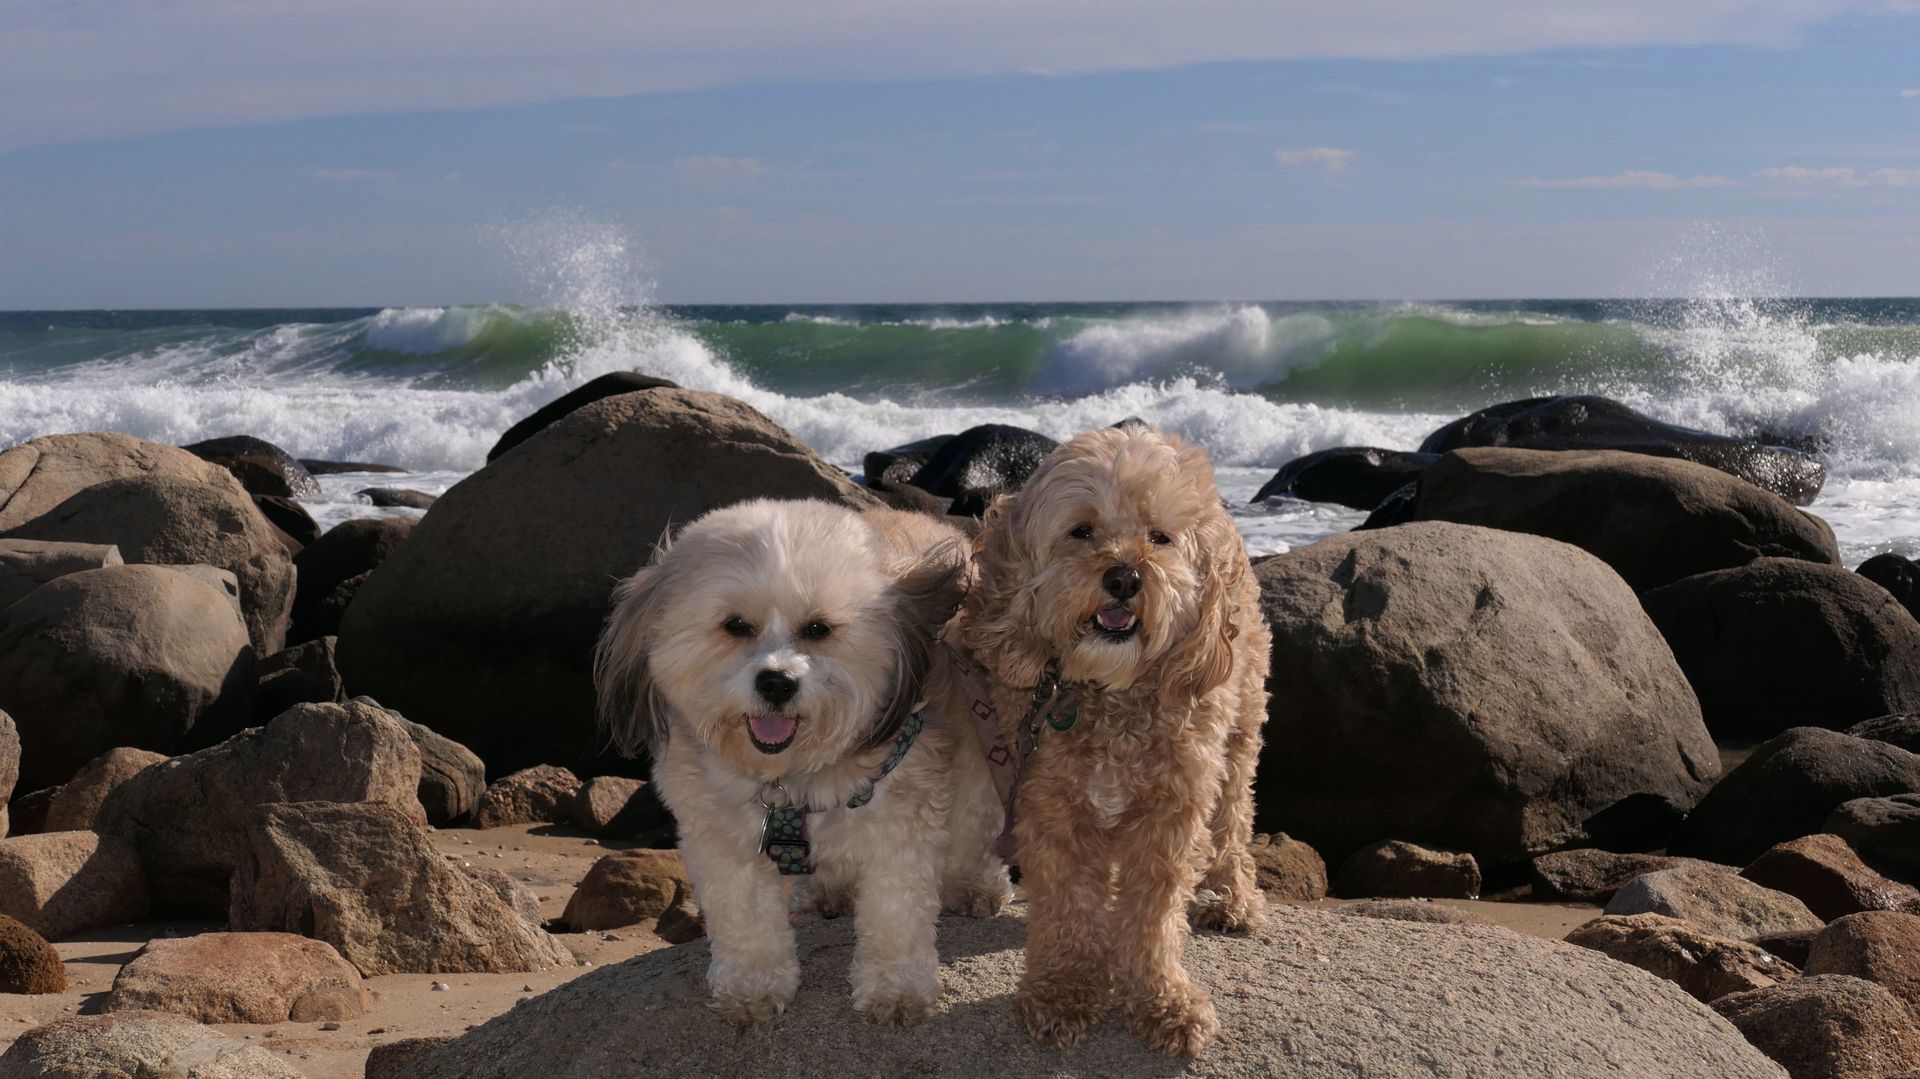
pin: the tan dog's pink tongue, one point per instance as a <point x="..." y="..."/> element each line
<point x="772" y="728"/>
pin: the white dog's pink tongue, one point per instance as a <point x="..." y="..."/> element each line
<point x="772" y="728"/>
<point x="1115" y="618"/>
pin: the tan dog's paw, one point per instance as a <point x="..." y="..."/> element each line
<point x="1227" y="911"/>
<point x="977" y="902"/>
<point x="1061" y="1016"/>
<point x="1176" y="1020"/>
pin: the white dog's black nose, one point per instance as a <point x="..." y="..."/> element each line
<point x="777" y="687"/>
<point x="1121" y="582"/>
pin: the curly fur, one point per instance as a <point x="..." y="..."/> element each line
<point x="674" y="678"/>
<point x="1139" y="816"/>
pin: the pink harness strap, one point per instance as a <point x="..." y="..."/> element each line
<point x="1004" y="761"/>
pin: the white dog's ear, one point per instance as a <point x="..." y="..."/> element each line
<point x="924" y="599"/>
<point x="629" y="712"/>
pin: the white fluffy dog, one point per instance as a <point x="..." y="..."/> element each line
<point x="778" y="660"/>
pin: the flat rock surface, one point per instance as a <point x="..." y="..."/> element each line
<point x="1313" y="994"/>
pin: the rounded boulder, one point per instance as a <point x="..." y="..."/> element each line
<point x="1470" y="689"/>
<point x="487" y="615"/>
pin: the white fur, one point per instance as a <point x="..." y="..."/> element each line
<point x="668" y="671"/>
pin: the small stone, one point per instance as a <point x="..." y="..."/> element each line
<point x="1716" y="901"/>
<point x="441" y="987"/>
<point x="1286" y="868"/>
<point x="329" y="1026"/>
<point x="1706" y="966"/>
<point x="1826" y="874"/>
<point x="1397" y="869"/>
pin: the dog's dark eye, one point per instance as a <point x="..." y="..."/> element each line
<point x="737" y="627"/>
<point x="1082" y="532"/>
<point x="816" y="630"/>
<point x="1159" y="537"/>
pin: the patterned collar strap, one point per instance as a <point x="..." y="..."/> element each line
<point x="783" y="835"/>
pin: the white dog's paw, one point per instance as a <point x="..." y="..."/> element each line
<point x="755" y="998"/>
<point x="896" y="997"/>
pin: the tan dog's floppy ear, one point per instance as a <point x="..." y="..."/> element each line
<point x="629" y="713"/>
<point x="1204" y="659"/>
<point x="1000" y="612"/>
<point x="925" y="597"/>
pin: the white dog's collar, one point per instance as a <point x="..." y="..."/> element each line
<point x="783" y="834"/>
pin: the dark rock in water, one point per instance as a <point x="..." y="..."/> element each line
<point x="1653" y="520"/>
<point x="982" y="462"/>
<point x="1400" y="507"/>
<point x="607" y="385"/>
<point x="1131" y="421"/>
<point x="488" y="614"/>
<point x="1784" y="643"/>
<point x="317" y="467"/>
<point x="1898" y="575"/>
<point x="1787" y="789"/>
<point x="403" y="497"/>
<point x="261" y="467"/>
<point x="1597" y="423"/>
<point x="290" y="517"/>
<point x="348" y="550"/>
<point x="895" y="467"/>
<point x="1360" y="477"/>
<point x="1470" y="652"/>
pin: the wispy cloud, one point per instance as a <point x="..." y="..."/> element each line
<point x="1330" y="160"/>
<point x="1798" y="176"/>
<point x="68" y="73"/>
<point x="1911" y="91"/>
<point x="1631" y="180"/>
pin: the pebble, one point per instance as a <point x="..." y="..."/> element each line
<point x="441" y="987"/>
<point x="329" y="1026"/>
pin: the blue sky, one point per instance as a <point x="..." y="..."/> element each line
<point x="208" y="153"/>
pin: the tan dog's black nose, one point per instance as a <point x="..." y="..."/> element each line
<point x="1121" y="582"/>
<point x="777" y="687"/>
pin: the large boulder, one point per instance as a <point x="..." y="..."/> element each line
<point x="1899" y="575"/>
<point x="1359" y="477"/>
<point x="618" y="807"/>
<point x="895" y="467"/>
<point x="1310" y="994"/>
<point x="1786" y="643"/>
<point x="1653" y="520"/>
<point x="1476" y="690"/>
<point x="452" y="778"/>
<point x="240" y="978"/>
<point x="486" y="617"/>
<point x="1706" y="966"/>
<point x="136" y="1045"/>
<point x="1286" y="868"/>
<point x="1825" y="874"/>
<point x="1593" y="876"/>
<point x="1829" y="1026"/>
<point x="1881" y="946"/>
<point x="38" y="475"/>
<point x="1786" y="788"/>
<point x="261" y="467"/>
<point x="75" y="804"/>
<point x="610" y="384"/>
<point x="981" y="463"/>
<point x="159" y="520"/>
<point x="365" y="879"/>
<point x="295" y="527"/>
<point x="347" y="552"/>
<point x="62" y="883"/>
<point x="1714" y="901"/>
<point x="1599" y="423"/>
<point x="1883" y="831"/>
<point x="9" y="765"/>
<point x="27" y="564"/>
<point x="187" y="815"/>
<point x="146" y="656"/>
